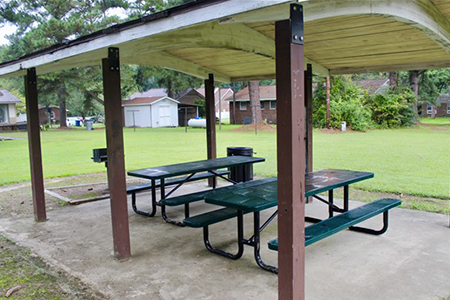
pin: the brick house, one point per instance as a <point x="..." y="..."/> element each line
<point x="442" y="110"/>
<point x="52" y="112"/>
<point x="223" y="95"/>
<point x="244" y="111"/>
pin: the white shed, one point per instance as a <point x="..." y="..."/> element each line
<point x="156" y="111"/>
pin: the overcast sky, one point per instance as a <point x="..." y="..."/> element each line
<point x="5" y="30"/>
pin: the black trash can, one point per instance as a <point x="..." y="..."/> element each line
<point x="241" y="173"/>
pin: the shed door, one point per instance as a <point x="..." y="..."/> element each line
<point x="164" y="115"/>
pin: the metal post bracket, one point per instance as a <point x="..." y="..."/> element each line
<point x="31" y="76"/>
<point x="113" y="58"/>
<point x="297" y="24"/>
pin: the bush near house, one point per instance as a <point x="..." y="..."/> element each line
<point x="392" y="110"/>
<point x="346" y="105"/>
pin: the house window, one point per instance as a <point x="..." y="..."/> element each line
<point x="4" y="113"/>
<point x="448" y="108"/>
<point x="242" y="105"/>
<point x="273" y="105"/>
<point x="429" y="109"/>
<point x="262" y="105"/>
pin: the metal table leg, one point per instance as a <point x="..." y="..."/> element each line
<point x="163" y="207"/>
<point x="346" y="198"/>
<point x="153" y="201"/>
<point x="257" y="244"/>
<point x="240" y="233"/>
<point x="330" y="206"/>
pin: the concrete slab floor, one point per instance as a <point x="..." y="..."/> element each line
<point x="410" y="261"/>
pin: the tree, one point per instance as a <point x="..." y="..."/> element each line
<point x="393" y="80"/>
<point x="255" y="101"/>
<point x="43" y="23"/>
<point x="414" y="84"/>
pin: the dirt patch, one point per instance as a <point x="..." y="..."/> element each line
<point x="260" y="127"/>
<point x="330" y="131"/>
<point x="435" y="126"/>
<point x="86" y="192"/>
<point x="427" y="204"/>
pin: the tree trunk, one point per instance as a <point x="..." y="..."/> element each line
<point x="414" y="83"/>
<point x="255" y="101"/>
<point x="62" y="107"/>
<point x="393" y="80"/>
<point x="328" y="87"/>
<point x="433" y="111"/>
<point x="170" y="92"/>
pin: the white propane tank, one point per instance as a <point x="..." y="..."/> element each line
<point x="196" y="123"/>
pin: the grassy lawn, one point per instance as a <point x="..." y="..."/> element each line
<point x="33" y="279"/>
<point x="412" y="161"/>
<point x="435" y="121"/>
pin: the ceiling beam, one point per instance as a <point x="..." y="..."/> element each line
<point x="180" y="20"/>
<point x="421" y="14"/>
<point x="391" y="68"/>
<point x="169" y="61"/>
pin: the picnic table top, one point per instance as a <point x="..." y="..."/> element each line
<point x="194" y="167"/>
<point x="248" y="197"/>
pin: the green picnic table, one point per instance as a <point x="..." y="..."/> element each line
<point x="163" y="176"/>
<point x="254" y="197"/>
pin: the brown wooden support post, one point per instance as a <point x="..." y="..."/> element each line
<point x="291" y="155"/>
<point x="210" y="122"/>
<point x="234" y="103"/>
<point x="115" y="152"/>
<point x="328" y="88"/>
<point x="34" y="144"/>
<point x="309" y="121"/>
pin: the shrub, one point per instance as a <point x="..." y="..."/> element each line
<point x="346" y="104"/>
<point x="394" y="109"/>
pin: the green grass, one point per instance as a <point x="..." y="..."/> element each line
<point x="36" y="280"/>
<point x="412" y="161"/>
<point x="435" y="121"/>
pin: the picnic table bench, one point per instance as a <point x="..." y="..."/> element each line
<point x="260" y="195"/>
<point x="163" y="176"/>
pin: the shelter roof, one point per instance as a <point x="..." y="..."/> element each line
<point x="7" y="98"/>
<point x="234" y="39"/>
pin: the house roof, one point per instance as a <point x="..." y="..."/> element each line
<point x="186" y="97"/>
<point x="234" y="39"/>
<point x="148" y="94"/>
<point x="8" y="98"/>
<point x="146" y="100"/>
<point x="45" y="106"/>
<point x="224" y="93"/>
<point x="372" y="85"/>
<point x="444" y="99"/>
<point x="266" y="92"/>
